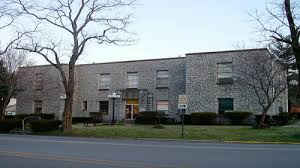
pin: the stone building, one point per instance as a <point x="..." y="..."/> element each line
<point x="142" y="85"/>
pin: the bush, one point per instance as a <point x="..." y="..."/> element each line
<point x="44" y="125"/>
<point x="149" y="117"/>
<point x="47" y="116"/>
<point x="21" y="116"/>
<point x="8" y="125"/>
<point x="237" y="118"/>
<point x="283" y="118"/>
<point x="76" y="120"/>
<point x="187" y="119"/>
<point x="203" y="118"/>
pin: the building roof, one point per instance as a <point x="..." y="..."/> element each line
<point x="227" y="51"/>
<point x="160" y="59"/>
<point x="114" y="62"/>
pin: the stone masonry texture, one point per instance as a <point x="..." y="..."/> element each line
<point x="194" y="75"/>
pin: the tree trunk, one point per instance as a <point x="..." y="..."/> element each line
<point x="298" y="84"/>
<point x="68" y="114"/>
<point x="69" y="89"/>
<point x="2" y="110"/>
<point x="3" y="105"/>
<point x="262" y="123"/>
<point x="295" y="41"/>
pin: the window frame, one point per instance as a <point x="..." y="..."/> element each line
<point x="38" y="81"/>
<point x="38" y="104"/>
<point x="158" y="79"/>
<point x="225" y="79"/>
<point x="157" y="105"/>
<point x="100" y="81"/>
<point x="99" y="107"/>
<point x="220" y="101"/>
<point x="133" y="86"/>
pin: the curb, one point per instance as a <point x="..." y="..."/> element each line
<point x="179" y="140"/>
<point x="261" y="142"/>
<point x="216" y="141"/>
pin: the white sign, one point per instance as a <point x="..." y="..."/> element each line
<point x="182" y="102"/>
<point x="182" y="106"/>
<point x="114" y="95"/>
<point x="63" y="96"/>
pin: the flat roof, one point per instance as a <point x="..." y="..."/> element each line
<point x="226" y="51"/>
<point x="114" y="62"/>
<point x="160" y="59"/>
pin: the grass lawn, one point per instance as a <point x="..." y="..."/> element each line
<point x="218" y="133"/>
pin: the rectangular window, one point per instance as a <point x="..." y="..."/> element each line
<point x="225" y="104"/>
<point x="162" y="78"/>
<point x="132" y="80"/>
<point x="38" y="106"/>
<point x="84" y="106"/>
<point x="38" y="81"/>
<point x="103" y="107"/>
<point x="162" y="106"/>
<point x="225" y="73"/>
<point x="104" y="82"/>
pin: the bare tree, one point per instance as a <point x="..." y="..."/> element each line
<point x="282" y="28"/>
<point x="10" y="61"/>
<point x="265" y="78"/>
<point x="74" y="23"/>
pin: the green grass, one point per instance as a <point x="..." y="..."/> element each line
<point x="217" y="133"/>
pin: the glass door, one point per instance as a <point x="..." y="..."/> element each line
<point x="128" y="112"/>
<point x="131" y="111"/>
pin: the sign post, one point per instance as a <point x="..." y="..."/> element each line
<point x="182" y="106"/>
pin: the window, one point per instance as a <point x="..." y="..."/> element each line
<point x="38" y="81"/>
<point x="225" y="73"/>
<point x="104" y="81"/>
<point x="225" y="104"/>
<point x="132" y="80"/>
<point x="38" y="106"/>
<point x="103" y="107"/>
<point x="162" y="78"/>
<point x="163" y="106"/>
<point x="84" y="106"/>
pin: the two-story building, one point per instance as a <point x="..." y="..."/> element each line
<point x="143" y="85"/>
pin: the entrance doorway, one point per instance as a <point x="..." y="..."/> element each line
<point x="131" y="109"/>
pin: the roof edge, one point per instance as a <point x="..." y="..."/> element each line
<point x="227" y="51"/>
<point x="113" y="62"/>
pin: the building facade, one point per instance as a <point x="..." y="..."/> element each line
<point x="144" y="85"/>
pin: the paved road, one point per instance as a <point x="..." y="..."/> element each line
<point x="48" y="152"/>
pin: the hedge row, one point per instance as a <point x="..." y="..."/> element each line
<point x="199" y="118"/>
<point x="153" y="117"/>
<point x="45" y="116"/>
<point x="8" y="125"/>
<point x="44" y="125"/>
<point x="203" y="118"/>
<point x="76" y="120"/>
<point x="36" y="126"/>
<point x="283" y="118"/>
<point x="237" y="118"/>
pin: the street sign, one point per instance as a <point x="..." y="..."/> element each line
<point x="182" y="102"/>
<point x="182" y="106"/>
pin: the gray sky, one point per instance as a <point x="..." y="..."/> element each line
<point x="171" y="28"/>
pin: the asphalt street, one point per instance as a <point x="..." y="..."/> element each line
<point x="19" y="151"/>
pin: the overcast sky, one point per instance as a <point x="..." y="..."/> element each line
<point x="171" y="28"/>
